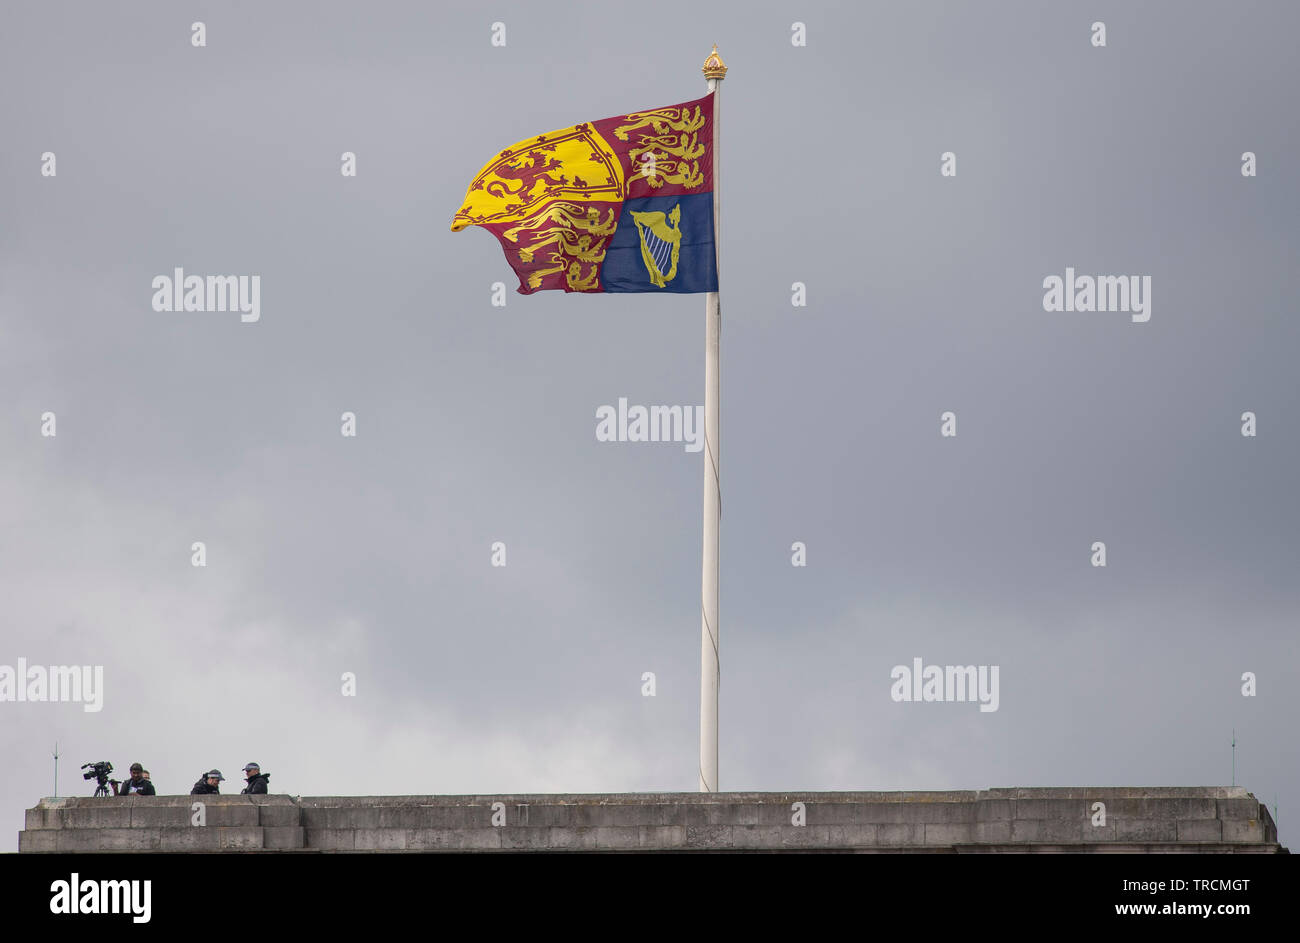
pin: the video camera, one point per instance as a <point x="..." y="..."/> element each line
<point x="99" y="772"/>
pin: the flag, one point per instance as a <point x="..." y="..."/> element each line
<point x="618" y="205"/>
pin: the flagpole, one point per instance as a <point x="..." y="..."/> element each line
<point x="710" y="663"/>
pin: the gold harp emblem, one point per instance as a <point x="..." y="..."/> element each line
<point x="661" y="243"/>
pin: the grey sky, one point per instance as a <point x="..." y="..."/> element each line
<point x="476" y="424"/>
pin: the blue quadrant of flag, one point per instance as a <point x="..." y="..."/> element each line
<point x="643" y="244"/>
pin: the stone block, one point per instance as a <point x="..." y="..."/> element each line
<point x="707" y="836"/>
<point x="355" y="818"/>
<point x="1199" y="830"/>
<point x="1162" y="807"/>
<point x="1043" y="830"/>
<point x="285" y="815"/>
<point x="662" y="837"/>
<point x="1099" y="833"/>
<point x="78" y="840"/>
<point x="820" y="813"/>
<point x="443" y="816"/>
<point x="852" y="836"/>
<point x="1145" y="830"/>
<point x="529" y="838"/>
<point x="1062" y="810"/>
<point x="380" y="839"/>
<point x="605" y="814"/>
<point x="1238" y="809"/>
<point x="712" y="813"/>
<point x="38" y="818"/>
<point x="283" y="838"/>
<point x="329" y="839"/>
<point x="38" y="842"/>
<point x="168" y="815"/>
<point x="1242" y="830"/>
<point x="954" y="834"/>
<point x="104" y="813"/>
<point x="209" y="838"/>
<point x="993" y="810"/>
<point x="573" y="838"/>
<point x="779" y="813"/>
<point x="900" y="834"/>
<point x="996" y="831"/>
<point x="914" y="813"/>
<point x="885" y="813"/>
<point x="461" y="839"/>
<point x="618" y="837"/>
<point x="783" y="836"/>
<point x="755" y="837"/>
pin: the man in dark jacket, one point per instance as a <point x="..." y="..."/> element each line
<point x="137" y="785"/>
<point x="207" y="784"/>
<point x="257" y="780"/>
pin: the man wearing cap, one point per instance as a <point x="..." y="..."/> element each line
<point x="257" y="780"/>
<point x="207" y="784"/>
<point x="137" y="785"/>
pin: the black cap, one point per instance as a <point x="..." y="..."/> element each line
<point x="136" y="766"/>
<point x="213" y="772"/>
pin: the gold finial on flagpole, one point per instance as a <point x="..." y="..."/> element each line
<point x="714" y="67"/>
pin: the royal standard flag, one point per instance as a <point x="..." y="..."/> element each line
<point x="622" y="204"/>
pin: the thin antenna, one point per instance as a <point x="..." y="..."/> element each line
<point x="56" y="769"/>
<point x="1234" y="756"/>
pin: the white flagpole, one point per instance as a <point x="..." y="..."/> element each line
<point x="710" y="664"/>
